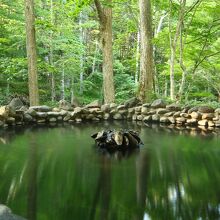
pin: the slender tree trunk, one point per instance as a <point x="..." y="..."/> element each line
<point x="95" y="57"/>
<point x="53" y="92"/>
<point x="146" y="51"/>
<point x="183" y="67"/>
<point x="105" y="18"/>
<point x="63" y="83"/>
<point x="173" y="45"/>
<point x="157" y="31"/>
<point x="137" y="58"/>
<point x="82" y="54"/>
<point x="72" y="89"/>
<point x="31" y="53"/>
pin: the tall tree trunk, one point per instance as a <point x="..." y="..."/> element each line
<point x="105" y="19"/>
<point x="53" y="92"/>
<point x="182" y="66"/>
<point x="31" y="53"/>
<point x="82" y="54"/>
<point x="63" y="83"/>
<point x="95" y="57"/>
<point x="146" y="51"/>
<point x="137" y="58"/>
<point x="173" y="45"/>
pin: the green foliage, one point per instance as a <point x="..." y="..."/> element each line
<point x="68" y="39"/>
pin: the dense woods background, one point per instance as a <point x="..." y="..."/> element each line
<point x="184" y="36"/>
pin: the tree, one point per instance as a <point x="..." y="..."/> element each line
<point x="105" y="20"/>
<point x="31" y="52"/>
<point x="146" y="51"/>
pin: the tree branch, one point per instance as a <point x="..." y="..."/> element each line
<point x="99" y="10"/>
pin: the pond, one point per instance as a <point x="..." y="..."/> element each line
<point x="56" y="173"/>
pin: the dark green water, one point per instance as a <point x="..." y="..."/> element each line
<point x="56" y="174"/>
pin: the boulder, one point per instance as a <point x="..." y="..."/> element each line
<point x="4" y="112"/>
<point x="169" y="114"/>
<point x="53" y="119"/>
<point x="41" y="114"/>
<point x="31" y="112"/>
<point x="123" y="112"/>
<point x="195" y="115"/>
<point x="77" y="110"/>
<point x="172" y="120"/>
<point x="161" y="111"/>
<point x="208" y="116"/>
<point x="217" y="111"/>
<point x="113" y="105"/>
<point x="164" y="119"/>
<point x="184" y="115"/>
<point x="203" y="122"/>
<point x="94" y="104"/>
<point x="121" y="107"/>
<point x="176" y="114"/>
<point x="144" y="110"/>
<point x="6" y="214"/>
<point x="16" y="103"/>
<point x="117" y="116"/>
<point x="65" y="105"/>
<point x="23" y="108"/>
<point x="147" y="105"/>
<point x="131" y="102"/>
<point x="53" y="114"/>
<point x="173" y="107"/>
<point x="155" y="118"/>
<point x="27" y="118"/>
<point x="140" y="117"/>
<point x="41" y="108"/>
<point x="206" y="109"/>
<point x="193" y="109"/>
<point x="180" y="120"/>
<point x="105" y="108"/>
<point x="192" y="121"/>
<point x="131" y="110"/>
<point x="41" y="121"/>
<point x="56" y="109"/>
<point x="67" y="118"/>
<point x="106" y="116"/>
<point x="10" y="120"/>
<point x="159" y="103"/>
<point x="138" y="109"/>
<point x="217" y="123"/>
<point x="148" y="118"/>
<point x="151" y="112"/>
<point x="211" y="124"/>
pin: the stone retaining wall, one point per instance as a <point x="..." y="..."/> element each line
<point x="156" y="112"/>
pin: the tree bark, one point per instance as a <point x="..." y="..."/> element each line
<point x="31" y="52"/>
<point x="53" y="92"/>
<point x="137" y="58"/>
<point x="173" y="45"/>
<point x="146" y="51"/>
<point x="63" y="83"/>
<point x="82" y="55"/>
<point x="105" y="19"/>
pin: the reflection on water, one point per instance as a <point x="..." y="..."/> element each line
<point x="56" y="173"/>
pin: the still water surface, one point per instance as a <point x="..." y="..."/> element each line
<point x="57" y="174"/>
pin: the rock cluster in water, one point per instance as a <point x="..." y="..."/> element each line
<point x="117" y="140"/>
<point x="155" y="112"/>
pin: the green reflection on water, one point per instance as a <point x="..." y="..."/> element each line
<point x="56" y="173"/>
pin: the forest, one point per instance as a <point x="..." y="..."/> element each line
<point x="110" y="50"/>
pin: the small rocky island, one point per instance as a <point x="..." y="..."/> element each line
<point x="117" y="140"/>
